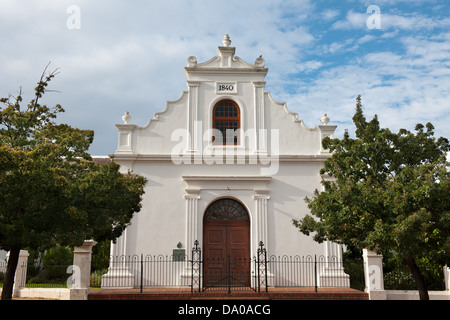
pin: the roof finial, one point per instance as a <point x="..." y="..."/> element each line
<point x="325" y="119"/>
<point x="226" y="40"/>
<point x="126" y="118"/>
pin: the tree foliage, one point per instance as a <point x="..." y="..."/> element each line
<point x="51" y="192"/>
<point x="384" y="191"/>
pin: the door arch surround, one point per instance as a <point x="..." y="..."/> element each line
<point x="226" y="244"/>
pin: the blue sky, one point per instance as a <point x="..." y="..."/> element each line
<point x="130" y="55"/>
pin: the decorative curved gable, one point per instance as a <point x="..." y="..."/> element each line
<point x="225" y="59"/>
<point x="265" y="126"/>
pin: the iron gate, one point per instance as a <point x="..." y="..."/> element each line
<point x="228" y="273"/>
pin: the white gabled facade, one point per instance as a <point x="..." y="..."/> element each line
<point x="270" y="165"/>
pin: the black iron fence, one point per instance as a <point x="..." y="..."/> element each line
<point x="315" y="271"/>
<point x="198" y="273"/>
<point x="52" y="276"/>
<point x="397" y="276"/>
<point x="2" y="272"/>
<point x="147" y="271"/>
<point x="225" y="273"/>
<point x="38" y="276"/>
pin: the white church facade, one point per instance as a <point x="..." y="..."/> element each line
<point x="228" y="167"/>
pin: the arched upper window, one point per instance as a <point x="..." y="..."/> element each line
<point x="226" y="120"/>
<point x="226" y="210"/>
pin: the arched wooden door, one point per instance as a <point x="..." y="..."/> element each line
<point x="226" y="243"/>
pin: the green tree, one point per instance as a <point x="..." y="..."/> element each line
<point x="386" y="191"/>
<point x="51" y="192"/>
<point x="54" y="265"/>
<point x="101" y="255"/>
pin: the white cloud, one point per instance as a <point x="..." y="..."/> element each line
<point x="353" y="20"/>
<point x="366" y="38"/>
<point x="129" y="56"/>
<point x="411" y="22"/>
<point x="403" y="89"/>
<point x="330" y="14"/>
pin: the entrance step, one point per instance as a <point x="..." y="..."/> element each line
<point x="272" y="294"/>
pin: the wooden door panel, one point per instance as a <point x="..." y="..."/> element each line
<point x="238" y="246"/>
<point x="216" y="236"/>
<point x="215" y="249"/>
<point x="223" y="241"/>
<point x="238" y="254"/>
<point x="237" y="236"/>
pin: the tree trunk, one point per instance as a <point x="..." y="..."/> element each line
<point x="8" y="282"/>
<point x="418" y="278"/>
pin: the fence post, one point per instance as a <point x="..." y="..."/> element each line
<point x="315" y="273"/>
<point x="262" y="253"/>
<point x="199" y="269"/>
<point x="196" y="254"/>
<point x="142" y="272"/>
<point x="20" y="277"/>
<point x="229" y="274"/>
<point x="82" y="260"/>
<point x="373" y="275"/>
<point x="257" y="269"/>
<point x="265" y="268"/>
<point x="192" y="271"/>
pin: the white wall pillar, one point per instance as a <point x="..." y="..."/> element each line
<point x="260" y="218"/>
<point x="192" y="116"/>
<point x="119" y="274"/>
<point x="118" y="248"/>
<point x="373" y="275"/>
<point x="332" y="273"/>
<point x="125" y="138"/>
<point x="333" y="252"/>
<point x="192" y="232"/>
<point x="259" y="120"/>
<point x="325" y="131"/>
<point x="260" y="232"/>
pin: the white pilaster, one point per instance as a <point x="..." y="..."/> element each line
<point x="326" y="131"/>
<point x="261" y="197"/>
<point x="333" y="252"/>
<point x="192" y="233"/>
<point x="332" y="272"/>
<point x="193" y="116"/>
<point x="260" y="221"/>
<point x="125" y="138"/>
<point x="259" y="121"/>
<point x="119" y="274"/>
<point x="119" y="248"/>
